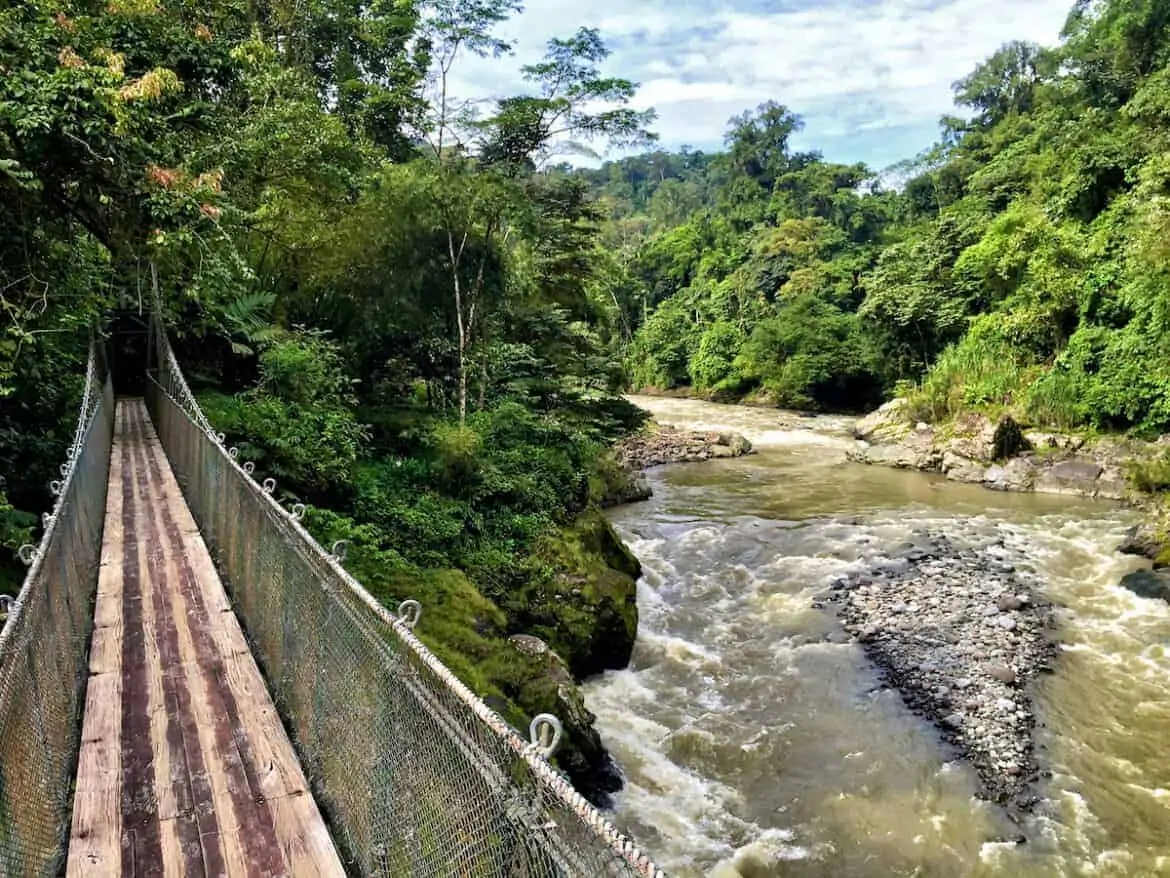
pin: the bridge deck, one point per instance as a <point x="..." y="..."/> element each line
<point x="185" y="768"/>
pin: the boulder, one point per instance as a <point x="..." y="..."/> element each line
<point x="1148" y="583"/>
<point x="973" y="437"/>
<point x="962" y="469"/>
<point x="1142" y="540"/>
<point x="1112" y="484"/>
<point x="1076" y="476"/>
<point x="1018" y="474"/>
<point x="889" y="424"/>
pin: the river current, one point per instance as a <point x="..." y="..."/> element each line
<point x="757" y="741"/>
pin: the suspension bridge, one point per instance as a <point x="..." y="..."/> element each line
<point x="190" y="685"/>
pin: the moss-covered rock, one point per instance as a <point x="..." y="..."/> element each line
<point x="586" y="606"/>
<point x="537" y="680"/>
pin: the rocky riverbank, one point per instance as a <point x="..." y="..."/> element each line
<point x="662" y="444"/>
<point x="1000" y="455"/>
<point x="960" y="632"/>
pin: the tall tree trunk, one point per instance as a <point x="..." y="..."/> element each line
<point x="461" y="324"/>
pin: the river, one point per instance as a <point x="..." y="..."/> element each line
<point x="757" y="741"/>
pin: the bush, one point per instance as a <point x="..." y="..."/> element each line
<point x="1150" y="476"/>
<point x="713" y="362"/>
<point x="812" y="355"/>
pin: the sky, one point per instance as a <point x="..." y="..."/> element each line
<point x="870" y="77"/>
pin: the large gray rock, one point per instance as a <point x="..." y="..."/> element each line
<point x="1018" y="474"/>
<point x="1148" y="583"/>
<point x="1112" y="484"/>
<point x="1143" y="540"/>
<point x="1077" y="476"/>
<point x="962" y="469"/>
<point x="889" y="424"/>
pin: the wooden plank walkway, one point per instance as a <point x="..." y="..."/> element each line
<point x="185" y="768"/>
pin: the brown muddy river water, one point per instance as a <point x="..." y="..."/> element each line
<point x="757" y="744"/>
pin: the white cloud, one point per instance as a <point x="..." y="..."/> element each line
<point x="854" y="70"/>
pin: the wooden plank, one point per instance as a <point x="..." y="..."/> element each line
<point x="306" y="844"/>
<point x="95" y="846"/>
<point x="227" y="795"/>
<point x="95" y="833"/>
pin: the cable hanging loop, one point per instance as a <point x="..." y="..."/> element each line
<point x="409" y="612"/>
<point x="544" y="734"/>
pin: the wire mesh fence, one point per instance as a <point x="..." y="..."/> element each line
<point x="415" y="773"/>
<point x="44" y="644"/>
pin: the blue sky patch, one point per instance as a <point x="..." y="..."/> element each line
<point x="870" y="77"/>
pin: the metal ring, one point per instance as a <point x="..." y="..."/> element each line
<point x="249" y="467"/>
<point x="233" y="452"/>
<point x="544" y="734"/>
<point x="409" y="612"/>
<point x="27" y="553"/>
<point x="221" y="438"/>
<point x="64" y="469"/>
<point x="298" y="511"/>
<point x="55" y="488"/>
<point x="269" y="485"/>
<point x="46" y="519"/>
<point x="339" y="549"/>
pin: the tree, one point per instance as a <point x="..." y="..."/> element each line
<point x="1004" y="83"/>
<point x="482" y="197"/>
<point x="757" y="143"/>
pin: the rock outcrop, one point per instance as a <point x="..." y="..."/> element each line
<point x="1000" y="455"/>
<point x="541" y="681"/>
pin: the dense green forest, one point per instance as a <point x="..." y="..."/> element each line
<point x="415" y="314"/>
<point x="1021" y="265"/>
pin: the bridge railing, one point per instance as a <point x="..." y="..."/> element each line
<point x="44" y="644"/>
<point x="416" y="775"/>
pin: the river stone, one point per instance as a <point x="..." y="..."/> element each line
<point x="1009" y="602"/>
<point x="1148" y="583"/>
<point x="1070" y="477"/>
<point x="1018" y="474"/>
<point x="1002" y="673"/>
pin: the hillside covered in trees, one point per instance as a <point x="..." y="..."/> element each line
<point x="1022" y="266"/>
<point x="412" y="312"/>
